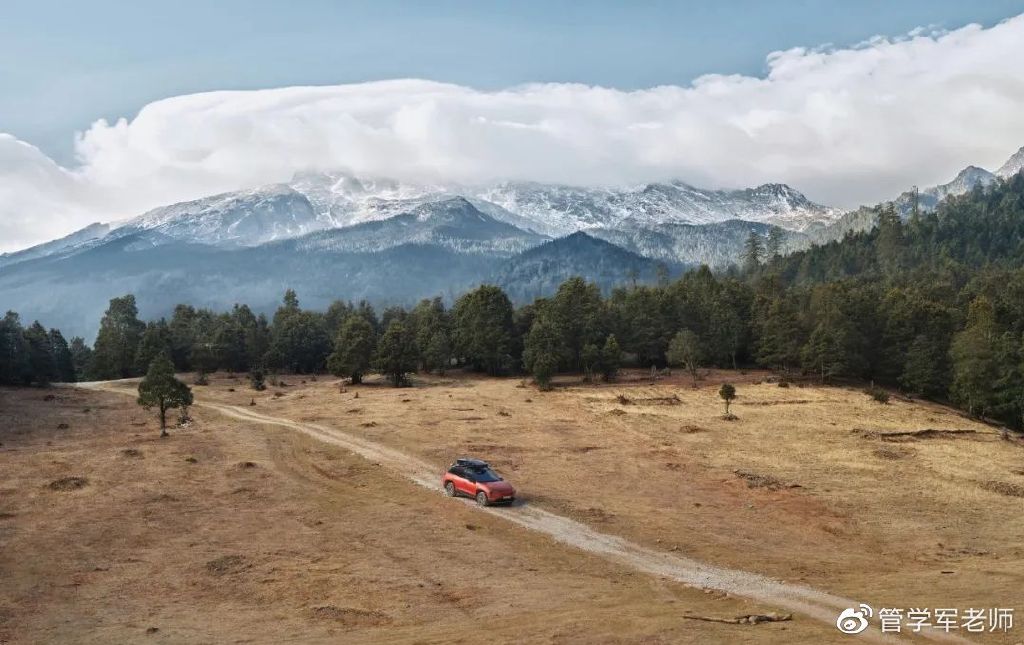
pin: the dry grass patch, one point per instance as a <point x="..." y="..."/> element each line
<point x="69" y="483"/>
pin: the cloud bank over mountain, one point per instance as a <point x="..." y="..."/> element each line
<point x="845" y="126"/>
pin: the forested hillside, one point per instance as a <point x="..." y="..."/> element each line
<point x="933" y="305"/>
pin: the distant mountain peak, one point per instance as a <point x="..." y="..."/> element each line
<point x="965" y="181"/>
<point x="1013" y="165"/>
<point x="971" y="172"/>
<point x="246" y="217"/>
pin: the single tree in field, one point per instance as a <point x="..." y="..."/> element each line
<point x="728" y="393"/>
<point x="685" y="350"/>
<point x="160" y="390"/>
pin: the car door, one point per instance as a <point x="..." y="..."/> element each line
<point x="464" y="482"/>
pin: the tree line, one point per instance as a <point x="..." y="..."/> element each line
<point x="933" y="305"/>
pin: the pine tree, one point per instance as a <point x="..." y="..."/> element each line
<point x="353" y="349"/>
<point x="15" y="366"/>
<point x="203" y="360"/>
<point x="257" y="381"/>
<point x="753" y="253"/>
<point x="727" y="393"/>
<point x="611" y="358"/>
<point x="974" y="356"/>
<point x="685" y="349"/>
<point x="161" y="390"/>
<point x="156" y="339"/>
<point x="483" y="328"/>
<point x="42" y="363"/>
<point x="437" y="353"/>
<point x="182" y="334"/>
<point x="925" y="367"/>
<point x="81" y="357"/>
<point x="590" y="357"/>
<point x="432" y="328"/>
<point x="62" y="357"/>
<point x="773" y="244"/>
<point x="396" y="352"/>
<point x="117" y="340"/>
<point x="577" y="312"/>
<point x="289" y="307"/>
<point x="543" y="348"/>
<point x="299" y="342"/>
<point x="230" y="345"/>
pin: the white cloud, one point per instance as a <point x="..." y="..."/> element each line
<point x="846" y="126"/>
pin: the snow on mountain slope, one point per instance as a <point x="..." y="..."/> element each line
<point x="965" y="181"/>
<point x="452" y="223"/>
<point x="82" y="236"/>
<point x="718" y="244"/>
<point x="554" y="209"/>
<point x="563" y="209"/>
<point x="566" y="209"/>
<point x="244" y="218"/>
<point x="1013" y="165"/>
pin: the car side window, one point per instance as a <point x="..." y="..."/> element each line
<point x="457" y="471"/>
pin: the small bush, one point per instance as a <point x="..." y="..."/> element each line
<point x="201" y="379"/>
<point x="783" y="383"/>
<point x="256" y="380"/>
<point x="878" y="394"/>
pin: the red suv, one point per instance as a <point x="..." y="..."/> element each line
<point x="474" y="478"/>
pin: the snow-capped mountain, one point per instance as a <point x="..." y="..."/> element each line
<point x="78" y="238"/>
<point x="242" y="218"/>
<point x="564" y="209"/>
<point x="1013" y="165"/>
<point x="964" y="181"/>
<point x="718" y="244"/>
<point x="554" y="209"/>
<point x="865" y="217"/>
<point x="453" y="223"/>
<point x="928" y="198"/>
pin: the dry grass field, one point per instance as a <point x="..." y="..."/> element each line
<point x="233" y="530"/>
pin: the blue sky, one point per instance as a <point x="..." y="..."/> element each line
<point x="65" y="64"/>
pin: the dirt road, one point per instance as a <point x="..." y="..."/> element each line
<point x="799" y="599"/>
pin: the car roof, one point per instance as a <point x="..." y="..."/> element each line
<point x="473" y="463"/>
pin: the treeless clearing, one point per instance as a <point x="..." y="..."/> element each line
<point x="269" y="535"/>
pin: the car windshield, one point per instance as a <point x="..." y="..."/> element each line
<point x="484" y="475"/>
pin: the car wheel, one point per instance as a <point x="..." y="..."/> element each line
<point x="449" y="489"/>
<point x="481" y="499"/>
